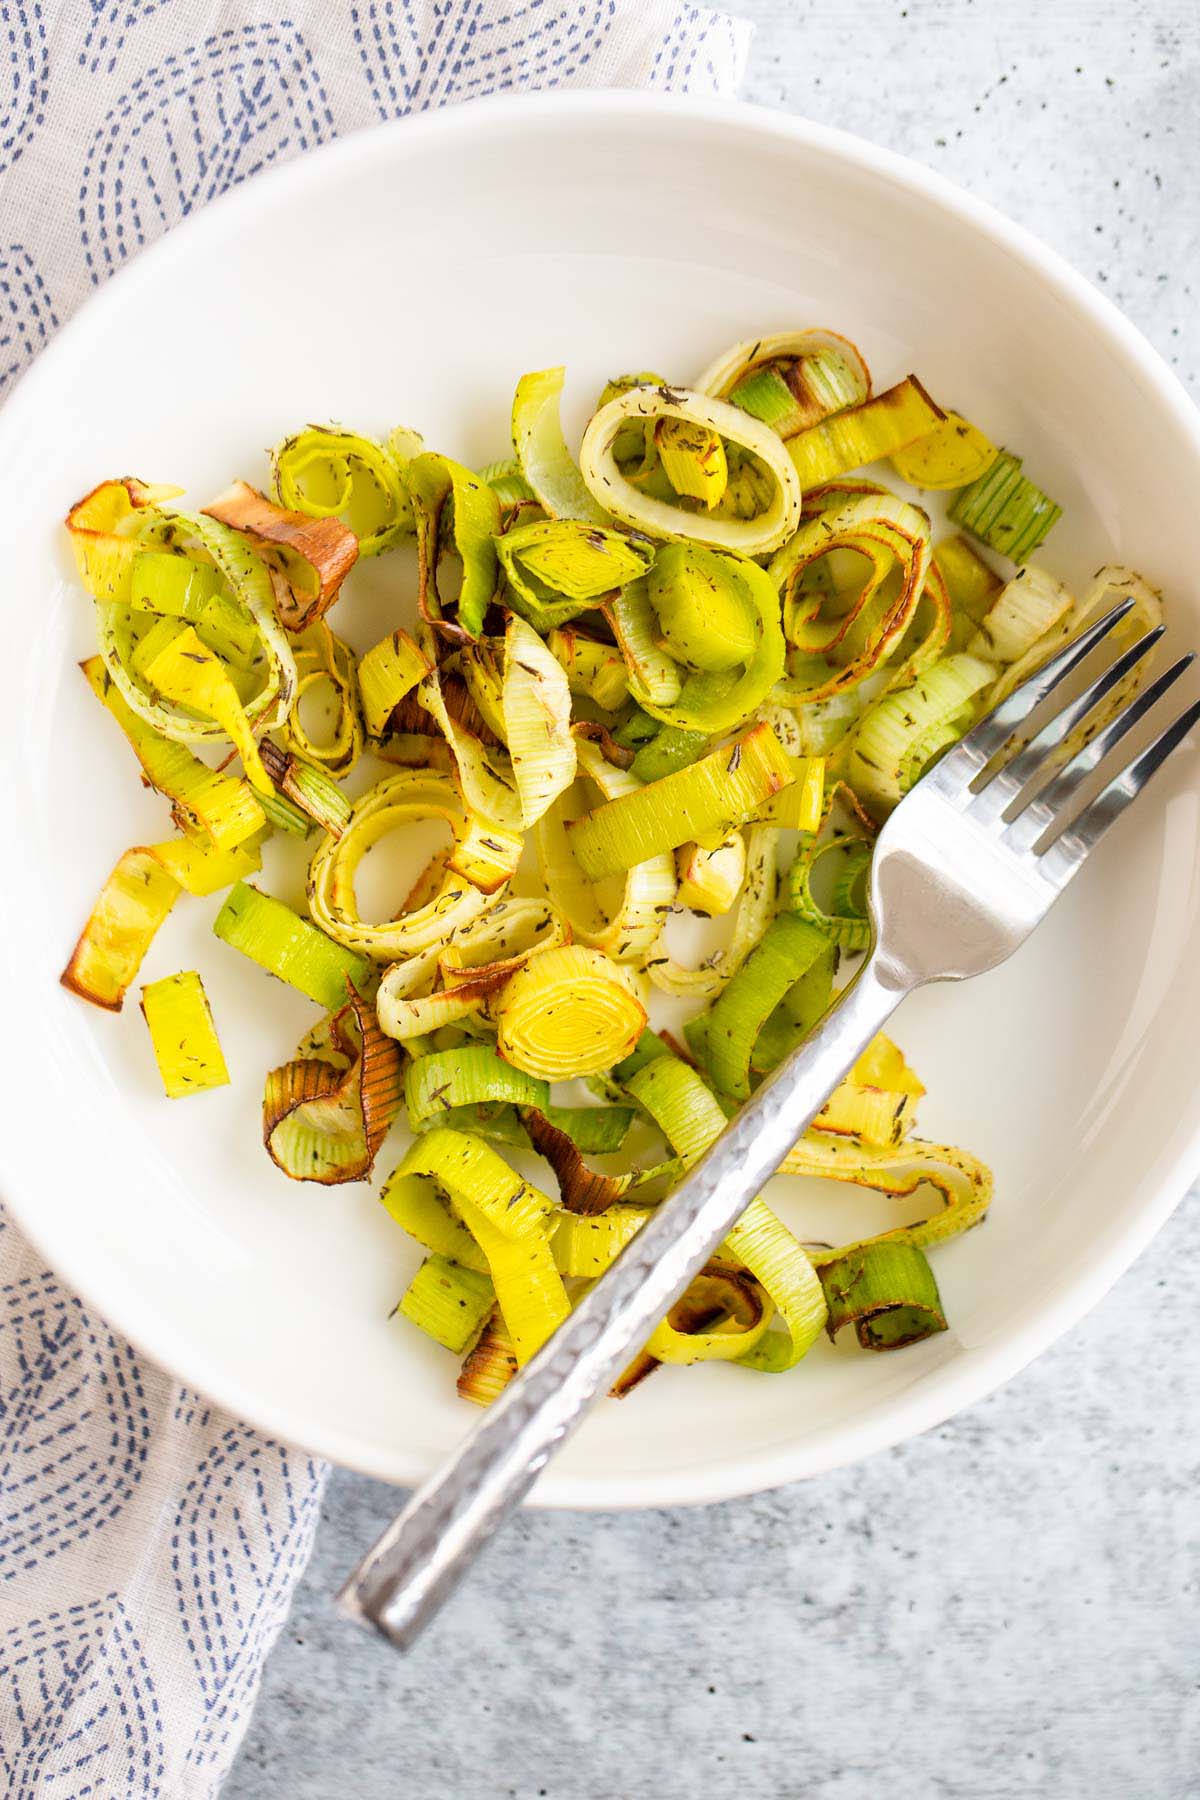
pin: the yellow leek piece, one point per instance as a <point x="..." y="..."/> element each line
<point x="536" y="703"/>
<point x="703" y="801"/>
<point x="449" y="1303"/>
<point x="721" y="1318"/>
<point x="693" y="457"/>
<point x="322" y="471"/>
<point x="542" y="452"/>
<point x="529" y="1289"/>
<point x="186" y="1046"/>
<point x="799" y="806"/>
<point x="862" y="434"/>
<point x="131" y="906"/>
<point x="597" y="670"/>
<point x="711" y="880"/>
<point x="389" y="671"/>
<point x="471" y="1174"/>
<point x="220" y="806"/>
<point x="569" y="1012"/>
<point x="200" y="868"/>
<point x="187" y="672"/>
<point x="877" y="1102"/>
<point x="104" y="528"/>
<point x="952" y="455"/>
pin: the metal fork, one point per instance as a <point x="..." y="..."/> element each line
<point x="959" y="879"/>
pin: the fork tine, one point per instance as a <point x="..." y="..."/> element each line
<point x="1040" y="814"/>
<point x="974" y="751"/>
<point x="999" y="793"/>
<point x="1069" y="851"/>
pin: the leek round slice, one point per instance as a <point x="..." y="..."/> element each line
<point x="558" y="568"/>
<point x="897" y="737"/>
<point x="324" y="664"/>
<point x="613" y="492"/>
<point x="789" y="380"/>
<point x="571" y="1012"/>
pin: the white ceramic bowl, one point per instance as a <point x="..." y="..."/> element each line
<point x="410" y="274"/>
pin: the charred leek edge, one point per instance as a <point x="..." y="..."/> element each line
<point x="571" y="1012"/>
<point x="953" y="454"/>
<point x="485" y="775"/>
<point x="536" y="705"/>
<point x="248" y="578"/>
<point x="864" y="433"/>
<point x="448" y="1303"/>
<point x="702" y="802"/>
<point x="508" y="483"/>
<point x="222" y="807"/>
<point x="585" y="1190"/>
<point x="963" y="1183"/>
<point x="1024" y="610"/>
<point x="529" y="1289"/>
<point x="881" y="528"/>
<point x="323" y="659"/>
<point x="389" y="671"/>
<point x="755" y="907"/>
<point x="611" y="489"/>
<point x="327" y="1111"/>
<point x="129" y="909"/>
<point x="186" y="1047"/>
<point x="896" y="738"/>
<point x="314" y="556"/>
<point x="1005" y="510"/>
<point x="542" y="452"/>
<point x="105" y="529"/>
<point x="490" y="1366"/>
<point x="788" y="949"/>
<point x="691" y="1119"/>
<point x="887" y="1292"/>
<point x="714" y="699"/>
<point x="594" y="669"/>
<point x="187" y="672"/>
<point x="693" y="460"/>
<point x="475" y="966"/>
<point x="287" y="946"/>
<point x="313" y="793"/>
<point x="453" y="509"/>
<point x="846" y="922"/>
<point x="634" y="624"/>
<point x="721" y="1317"/>
<point x="322" y="471"/>
<point x="200" y="868"/>
<point x="822" y="373"/>
<point x="711" y="880"/>
<point x="558" y="568"/>
<point x="877" y="1102"/>
<point x="626" y="929"/>
<point x="671" y="748"/>
<point x="471" y="1173"/>
<point x="397" y="800"/>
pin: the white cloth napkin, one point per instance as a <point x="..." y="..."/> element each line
<point x="149" y="1544"/>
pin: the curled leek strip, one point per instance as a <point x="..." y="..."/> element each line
<point x="536" y="706"/>
<point x="485" y="773"/>
<point x="790" y="380"/>
<point x="131" y="906"/>
<point x="722" y="1317"/>
<point x="862" y="434"/>
<point x="186" y="1046"/>
<point x="845" y="921"/>
<point x="755" y="909"/>
<point x="473" y="969"/>
<point x="788" y="949"/>
<point x="289" y="947"/>
<point x="963" y="1183"/>
<point x="325" y="666"/>
<point x="887" y="1292"/>
<point x="623" y="924"/>
<point x="691" y="1120"/>
<point x="542" y="453"/>
<point x="490" y="1366"/>
<point x="326" y="1112"/>
<point x="325" y="472"/>
<point x="571" y="1012"/>
<point x="557" y="568"/>
<point x="453" y="509"/>
<point x="386" y="674"/>
<point x="314" y="556"/>
<point x="106" y="529"/>
<point x="617" y="495"/>
<point x="703" y="801"/>
<point x="889" y="533"/>
<point x="400" y="799"/>
<point x="896" y="738"/>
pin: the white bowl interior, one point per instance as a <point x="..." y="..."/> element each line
<point x="384" y="282"/>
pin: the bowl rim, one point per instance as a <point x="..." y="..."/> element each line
<point x="975" y="1372"/>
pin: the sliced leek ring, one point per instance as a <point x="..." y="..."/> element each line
<point x="569" y="1012"/>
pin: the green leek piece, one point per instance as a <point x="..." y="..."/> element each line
<point x="307" y="787"/>
<point x="887" y="1292"/>
<point x="449" y="1303"/>
<point x="653" y="674"/>
<point x="559" y="568"/>
<point x="595" y="1130"/>
<point x="790" y="380"/>
<point x="669" y="750"/>
<point x="707" y="619"/>
<point x="507" y="482"/>
<point x="705" y="800"/>
<point x="647" y="1049"/>
<point x="466" y="1077"/>
<point x="326" y="1112"/>
<point x="691" y="1120"/>
<point x="282" y="815"/>
<point x="862" y="434"/>
<point x="542" y="453"/>
<point x="846" y="922"/>
<point x="186" y="1046"/>
<point x="178" y="587"/>
<point x="287" y="946"/>
<point x="897" y="738"/>
<point x="130" y="907"/>
<point x="452" y="507"/>
<point x="789" y="949"/>
<point x="221" y="807"/>
<point x="1005" y="509"/>
<point x="323" y="471"/>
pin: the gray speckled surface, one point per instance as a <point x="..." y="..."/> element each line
<point x="1007" y="1606"/>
